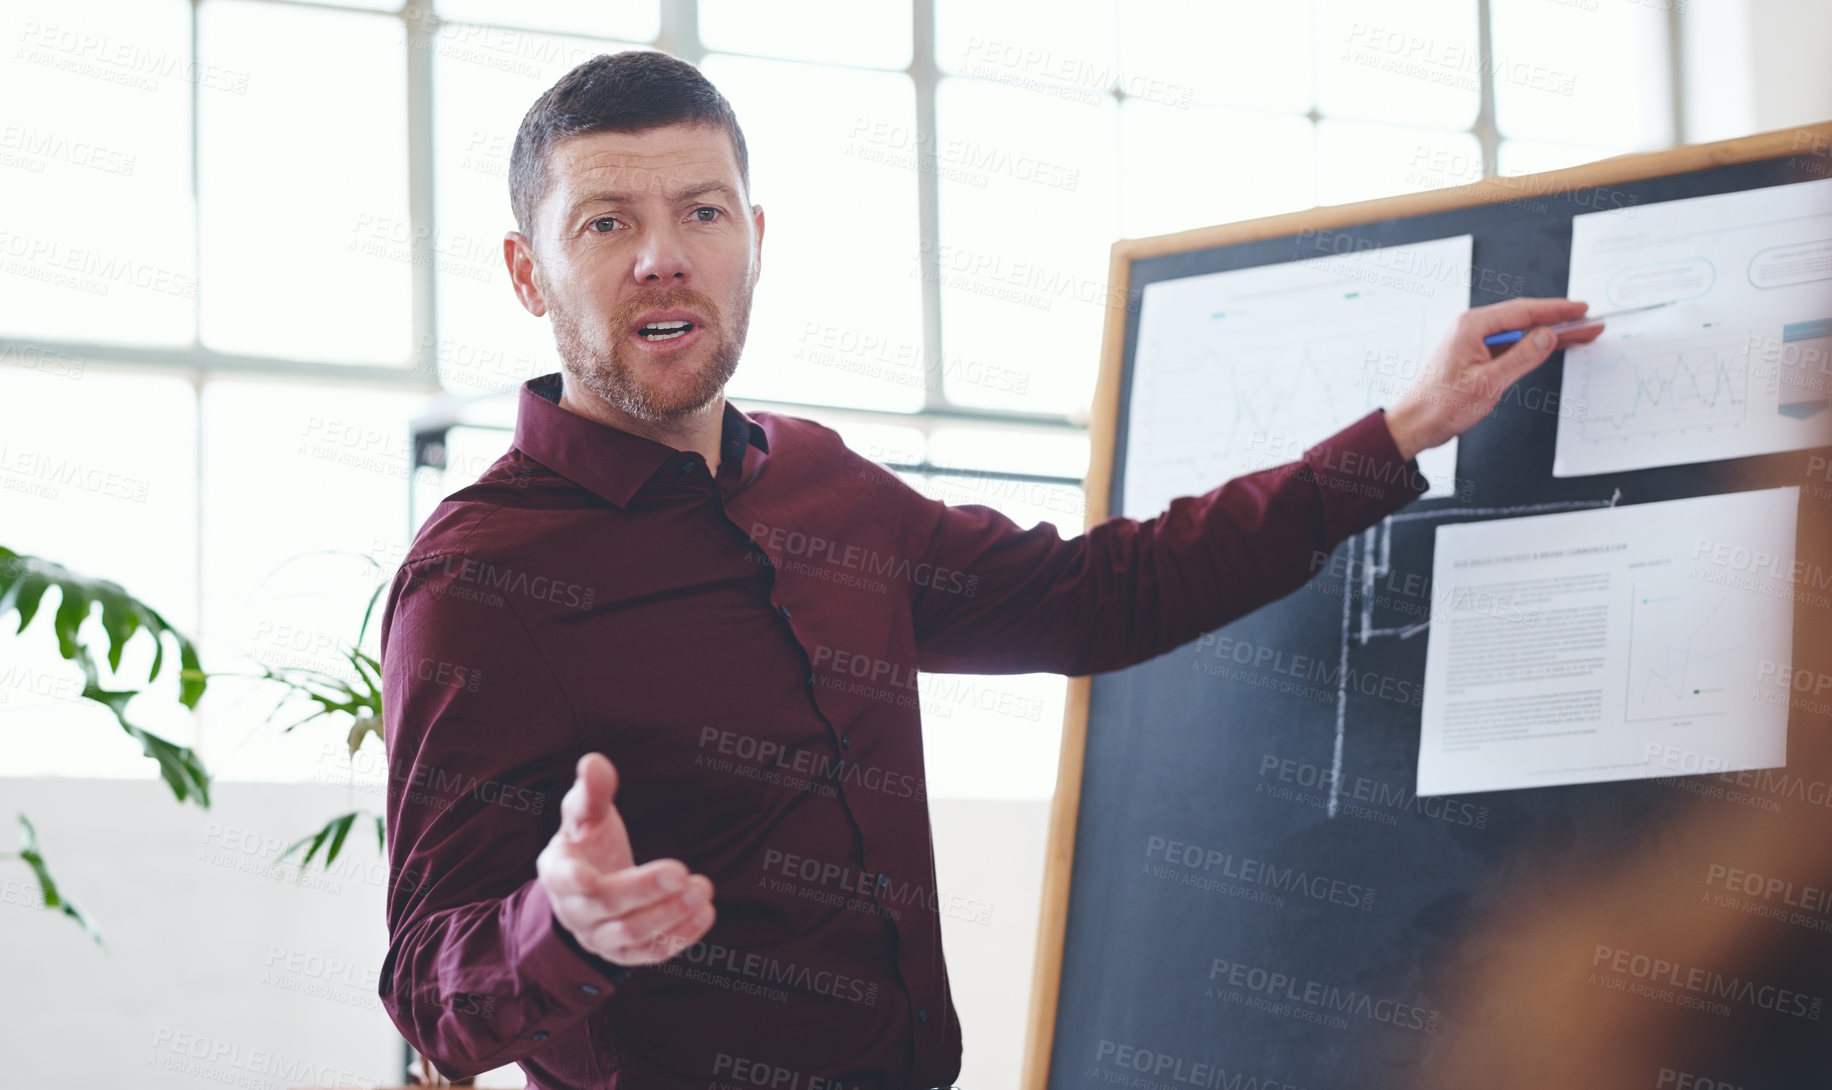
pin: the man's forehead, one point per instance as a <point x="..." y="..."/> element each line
<point x="665" y="161"/>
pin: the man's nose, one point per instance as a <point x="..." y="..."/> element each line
<point x="662" y="255"/>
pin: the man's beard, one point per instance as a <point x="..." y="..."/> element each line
<point x="616" y="379"/>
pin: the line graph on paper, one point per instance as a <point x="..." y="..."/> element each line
<point x="1238" y="382"/>
<point x="1635" y="388"/>
<point x="1256" y="398"/>
<point x="1680" y="650"/>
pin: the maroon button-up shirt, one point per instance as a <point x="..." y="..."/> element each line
<point x="745" y="648"/>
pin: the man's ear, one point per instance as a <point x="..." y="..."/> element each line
<point x="757" y="218"/>
<point x="518" y="254"/>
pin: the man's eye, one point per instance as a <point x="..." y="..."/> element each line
<point x="706" y="215"/>
<point x="603" y="219"/>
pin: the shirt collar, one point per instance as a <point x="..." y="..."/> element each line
<point x="608" y="461"/>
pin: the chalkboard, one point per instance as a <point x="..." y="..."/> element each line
<point x="1220" y="911"/>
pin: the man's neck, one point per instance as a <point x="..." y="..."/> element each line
<point x="699" y="431"/>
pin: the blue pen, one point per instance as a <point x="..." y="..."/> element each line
<point x="1497" y="340"/>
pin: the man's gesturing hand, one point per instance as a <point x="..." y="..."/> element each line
<point x="623" y="913"/>
<point x="1464" y="378"/>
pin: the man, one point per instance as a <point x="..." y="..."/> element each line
<point x="716" y="620"/>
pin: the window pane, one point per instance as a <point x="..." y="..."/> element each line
<point x="1411" y="61"/>
<point x="292" y="470"/>
<point x="1719" y="61"/>
<point x="629" y="20"/>
<point x="1534" y="156"/>
<point x="837" y="318"/>
<point x="1357" y="162"/>
<point x="307" y="248"/>
<point x="1027" y="222"/>
<point x="872" y="33"/>
<point x="487" y="340"/>
<point x="97" y="473"/>
<point x="991" y="736"/>
<point x="1192" y="168"/>
<point x="95" y="137"/>
<point x="1053" y="453"/>
<point x="1051" y="46"/>
<point x="1582" y="73"/>
<point x="1238" y="56"/>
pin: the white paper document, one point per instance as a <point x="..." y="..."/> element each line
<point x="1610" y="644"/>
<point x="1241" y="370"/>
<point x="1740" y="364"/>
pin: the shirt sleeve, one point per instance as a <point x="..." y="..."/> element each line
<point x="1127" y="591"/>
<point x="482" y="743"/>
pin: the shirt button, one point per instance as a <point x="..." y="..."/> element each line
<point x="883" y="880"/>
<point x="845" y="741"/>
<point x="589" y="989"/>
<point x="540" y="1035"/>
<point x="687" y="468"/>
<point x="922" y="1016"/>
<point x="784" y="610"/>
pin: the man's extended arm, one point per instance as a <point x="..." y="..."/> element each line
<point x="481" y="745"/>
<point x="1126" y="590"/>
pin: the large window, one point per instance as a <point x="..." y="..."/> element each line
<point x="243" y="242"/>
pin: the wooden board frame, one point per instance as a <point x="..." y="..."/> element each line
<point x="1065" y="807"/>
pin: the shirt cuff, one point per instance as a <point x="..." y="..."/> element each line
<point x="1361" y="476"/>
<point x="552" y="958"/>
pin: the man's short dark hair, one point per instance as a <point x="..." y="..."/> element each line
<point x="613" y="92"/>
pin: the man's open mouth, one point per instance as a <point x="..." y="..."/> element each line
<point x="664" y="331"/>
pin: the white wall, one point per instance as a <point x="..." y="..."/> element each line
<point x="268" y="981"/>
<point x="1755" y="65"/>
<point x="222" y="974"/>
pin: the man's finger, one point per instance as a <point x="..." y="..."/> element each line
<point x="1581" y="335"/>
<point x="1528" y="352"/>
<point x="668" y="943"/>
<point x="589" y="798"/>
<point x="647" y="924"/>
<point x="1521" y="313"/>
<point x="633" y="888"/>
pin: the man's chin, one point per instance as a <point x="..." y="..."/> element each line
<point x="656" y="398"/>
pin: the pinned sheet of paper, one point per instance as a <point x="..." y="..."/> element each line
<point x="1245" y="369"/>
<point x="1610" y="644"/>
<point x="1738" y="362"/>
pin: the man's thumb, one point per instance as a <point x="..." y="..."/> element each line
<point x="597" y="784"/>
<point x="1528" y="353"/>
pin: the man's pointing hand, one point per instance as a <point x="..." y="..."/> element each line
<point x="1463" y="379"/>
<point x="624" y="913"/>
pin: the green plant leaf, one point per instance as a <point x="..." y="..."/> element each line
<point x="180" y="767"/>
<point x="23" y="582"/>
<point x="337" y="838"/>
<point x="33" y="857"/>
<point x="334" y="830"/>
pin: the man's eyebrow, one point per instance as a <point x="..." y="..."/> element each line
<point x="619" y="196"/>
